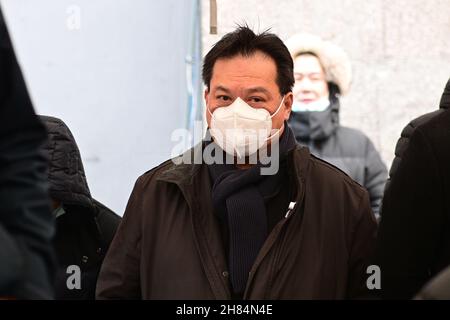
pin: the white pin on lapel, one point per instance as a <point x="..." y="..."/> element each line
<point x="290" y="209"/>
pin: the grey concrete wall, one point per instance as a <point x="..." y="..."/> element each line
<point x="400" y="51"/>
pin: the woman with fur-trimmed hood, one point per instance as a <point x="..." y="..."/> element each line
<point x="322" y="73"/>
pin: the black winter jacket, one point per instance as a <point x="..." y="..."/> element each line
<point x="84" y="232"/>
<point x="403" y="141"/>
<point x="348" y="149"/>
<point x="414" y="236"/>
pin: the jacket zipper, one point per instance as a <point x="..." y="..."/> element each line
<point x="271" y="240"/>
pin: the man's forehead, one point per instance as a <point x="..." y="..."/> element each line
<point x="255" y="73"/>
<point x="256" y="58"/>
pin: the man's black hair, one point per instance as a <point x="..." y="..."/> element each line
<point x="243" y="41"/>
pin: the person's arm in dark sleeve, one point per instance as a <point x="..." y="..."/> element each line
<point x="411" y="222"/>
<point x="25" y="214"/>
<point x="375" y="177"/>
<point x="364" y="234"/>
<point x="26" y="223"/>
<point x="119" y="276"/>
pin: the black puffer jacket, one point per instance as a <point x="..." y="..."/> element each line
<point x="348" y="149"/>
<point x="413" y="242"/>
<point x="402" y="143"/>
<point x="84" y="232"/>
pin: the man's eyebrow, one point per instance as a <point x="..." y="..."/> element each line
<point x="257" y="89"/>
<point x="224" y="89"/>
<point x="247" y="91"/>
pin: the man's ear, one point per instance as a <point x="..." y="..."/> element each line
<point x="288" y="100"/>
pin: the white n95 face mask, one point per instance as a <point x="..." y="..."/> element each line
<point x="241" y="130"/>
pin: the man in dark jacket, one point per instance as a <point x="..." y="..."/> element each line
<point x="26" y="226"/>
<point x="322" y="74"/>
<point x="414" y="236"/>
<point x="84" y="227"/>
<point x="232" y="230"/>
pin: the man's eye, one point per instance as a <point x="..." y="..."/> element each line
<point x="223" y="98"/>
<point x="256" y="99"/>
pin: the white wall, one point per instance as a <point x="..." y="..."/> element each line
<point x="115" y="72"/>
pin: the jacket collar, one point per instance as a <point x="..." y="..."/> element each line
<point x="183" y="168"/>
<point x="182" y="173"/>
<point x="316" y="126"/>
